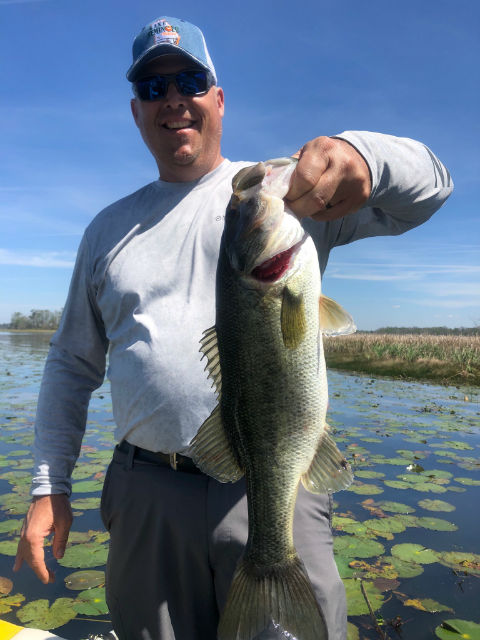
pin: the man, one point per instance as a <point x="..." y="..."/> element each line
<point x="143" y="289"/>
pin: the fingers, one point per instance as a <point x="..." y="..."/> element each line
<point x="331" y="180"/>
<point x="46" y="515"/>
<point x="32" y="553"/>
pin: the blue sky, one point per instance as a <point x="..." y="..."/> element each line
<point x="290" y="71"/>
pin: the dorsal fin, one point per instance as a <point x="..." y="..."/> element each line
<point x="334" y="320"/>
<point x="209" y="348"/>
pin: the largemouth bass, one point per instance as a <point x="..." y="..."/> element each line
<point x="265" y="357"/>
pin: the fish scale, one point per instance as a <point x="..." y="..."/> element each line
<point x="265" y="357"/>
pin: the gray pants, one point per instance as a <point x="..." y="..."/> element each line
<point x="175" y="539"/>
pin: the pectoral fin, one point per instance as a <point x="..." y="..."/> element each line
<point x="211" y="451"/>
<point x="329" y="471"/>
<point x="292" y="318"/>
<point x="334" y="320"/>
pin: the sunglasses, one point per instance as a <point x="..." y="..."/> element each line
<point x="190" y="82"/>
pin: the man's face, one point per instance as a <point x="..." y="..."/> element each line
<point x="182" y="132"/>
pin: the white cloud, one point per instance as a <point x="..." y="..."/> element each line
<point x="55" y="259"/>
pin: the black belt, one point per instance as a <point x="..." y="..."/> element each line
<point x="174" y="460"/>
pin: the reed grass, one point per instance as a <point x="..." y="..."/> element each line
<point x="441" y="358"/>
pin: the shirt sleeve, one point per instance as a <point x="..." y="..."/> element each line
<point x="75" y="366"/>
<point x="409" y="183"/>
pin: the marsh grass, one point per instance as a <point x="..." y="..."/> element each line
<point x="439" y="358"/>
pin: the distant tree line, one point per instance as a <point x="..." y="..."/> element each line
<point x="430" y="331"/>
<point x="38" y="319"/>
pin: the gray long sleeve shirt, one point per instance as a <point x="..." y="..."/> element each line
<point x="143" y="290"/>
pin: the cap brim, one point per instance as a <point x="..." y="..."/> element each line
<point x="157" y="51"/>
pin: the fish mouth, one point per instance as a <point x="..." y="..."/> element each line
<point x="273" y="269"/>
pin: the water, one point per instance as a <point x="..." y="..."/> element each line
<point x="376" y="421"/>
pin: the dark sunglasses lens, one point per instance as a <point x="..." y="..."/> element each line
<point x="151" y="88"/>
<point x="190" y="83"/>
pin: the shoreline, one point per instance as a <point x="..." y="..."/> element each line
<point x="444" y="373"/>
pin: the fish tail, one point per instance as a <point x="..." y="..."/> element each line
<point x="281" y="595"/>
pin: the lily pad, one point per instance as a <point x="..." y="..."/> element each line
<point x="365" y="489"/>
<point x="395" y="507"/>
<point x="85" y="556"/>
<point x="369" y="474"/>
<point x="436" y="505"/>
<point x="356" y="603"/>
<point x="461" y="561"/>
<point x="436" y="524"/>
<point x="403" y="568"/>
<point x="87" y="486"/>
<point x="352" y="632"/>
<point x="7" y="602"/>
<point x="81" y="580"/>
<point x="86" y="503"/>
<point x="390" y="524"/>
<point x="379" y="569"/>
<point x="6" y="585"/>
<point x="10" y="526"/>
<point x="414" y="553"/>
<point x="357" y="547"/>
<point x="426" y="604"/>
<point x="9" y="547"/>
<point x="40" y="615"/>
<point x="458" y="629"/>
<point x="91" y="602"/>
<point x="468" y="481"/>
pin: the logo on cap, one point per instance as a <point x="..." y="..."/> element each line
<point x="163" y="32"/>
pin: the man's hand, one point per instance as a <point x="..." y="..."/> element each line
<point x="331" y="180"/>
<point x="46" y="515"/>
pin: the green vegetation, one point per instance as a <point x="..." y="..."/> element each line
<point x="39" y="319"/>
<point x="440" y="358"/>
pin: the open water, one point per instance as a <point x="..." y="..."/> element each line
<point x="411" y="444"/>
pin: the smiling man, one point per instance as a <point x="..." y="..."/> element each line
<point x="143" y="290"/>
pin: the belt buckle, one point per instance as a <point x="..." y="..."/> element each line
<point x="173" y="461"/>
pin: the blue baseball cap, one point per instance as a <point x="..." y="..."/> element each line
<point x="169" y="35"/>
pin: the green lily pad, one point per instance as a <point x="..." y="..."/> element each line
<point x="9" y="547"/>
<point x="414" y="553"/>
<point x="352" y="632"/>
<point x="81" y="580"/>
<point x="85" y="556"/>
<point x="343" y="567"/>
<point x="461" y="561"/>
<point x="428" y="487"/>
<point x="91" y="602"/>
<point x="458" y="629"/>
<point x="436" y="524"/>
<point x="379" y="569"/>
<point x="395" y="507"/>
<point x="426" y="604"/>
<point x="86" y="503"/>
<point x="87" y="486"/>
<point x="455" y="444"/>
<point x="390" y="524"/>
<point x="365" y="489"/>
<point x="357" y="547"/>
<point x="356" y="603"/>
<point x="10" y="526"/>
<point x="7" y="602"/>
<point x="398" y="484"/>
<point x="468" y="481"/>
<point x="40" y="615"/>
<point x="349" y="525"/>
<point x="436" y="505"/>
<point x="369" y="474"/>
<point x="403" y="568"/>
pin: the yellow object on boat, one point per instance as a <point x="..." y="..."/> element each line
<point x="9" y="631"/>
